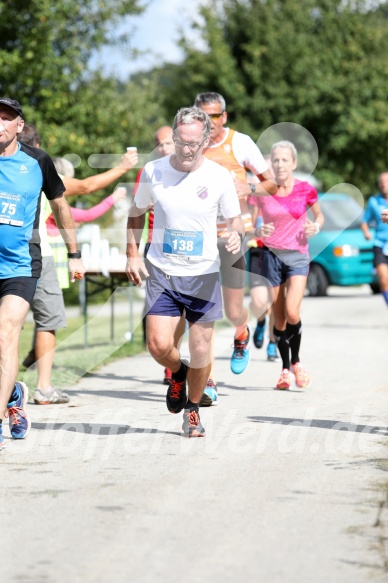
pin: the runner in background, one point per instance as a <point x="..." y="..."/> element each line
<point x="260" y="305"/>
<point x="375" y="214"/>
<point x="48" y="305"/>
<point x="237" y="153"/>
<point x="285" y="258"/>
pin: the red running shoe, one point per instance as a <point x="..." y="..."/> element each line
<point x="302" y="379"/>
<point x="167" y="376"/>
<point x="285" y="379"/>
<point x="176" y="397"/>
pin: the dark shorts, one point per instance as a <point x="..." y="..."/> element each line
<point x="146" y="249"/>
<point x="254" y="268"/>
<point x="379" y="257"/>
<point x="199" y="296"/>
<point x="48" y="306"/>
<point x="232" y="268"/>
<point x="280" y="267"/>
<point x="23" y="287"/>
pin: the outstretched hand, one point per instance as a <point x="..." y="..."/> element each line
<point x="119" y="193"/>
<point x="129" y="160"/>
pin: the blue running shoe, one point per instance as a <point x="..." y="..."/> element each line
<point x="258" y="335"/>
<point x="272" y="353"/>
<point x="241" y="355"/>
<point x="19" y="421"/>
<point x="210" y="395"/>
<point x="2" y="442"/>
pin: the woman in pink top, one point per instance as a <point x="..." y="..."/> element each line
<point x="285" y="257"/>
<point x="88" y="215"/>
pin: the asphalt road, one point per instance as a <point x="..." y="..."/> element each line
<point x="286" y="486"/>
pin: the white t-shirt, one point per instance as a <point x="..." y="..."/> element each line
<point x="184" y="239"/>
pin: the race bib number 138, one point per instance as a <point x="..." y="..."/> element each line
<point x="188" y="244"/>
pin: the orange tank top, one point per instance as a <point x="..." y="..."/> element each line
<point x="223" y="154"/>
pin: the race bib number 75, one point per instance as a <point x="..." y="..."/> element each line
<point x="11" y="209"/>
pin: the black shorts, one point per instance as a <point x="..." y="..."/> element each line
<point x="379" y="257"/>
<point x="24" y="287"/>
<point x="146" y="249"/>
<point x="232" y="267"/>
<point x="254" y="268"/>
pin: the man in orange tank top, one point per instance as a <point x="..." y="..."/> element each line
<point x="238" y="153"/>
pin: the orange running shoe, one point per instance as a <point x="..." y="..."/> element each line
<point x="302" y="379"/>
<point x="167" y="376"/>
<point x="285" y="380"/>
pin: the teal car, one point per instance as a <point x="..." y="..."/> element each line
<point x="340" y="254"/>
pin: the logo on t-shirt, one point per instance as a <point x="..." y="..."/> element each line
<point x="202" y="192"/>
<point x="227" y="148"/>
<point x="23" y="169"/>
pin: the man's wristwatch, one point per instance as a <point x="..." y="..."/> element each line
<point x="75" y="255"/>
<point x="252" y="186"/>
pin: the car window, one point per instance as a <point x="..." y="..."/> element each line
<point x="340" y="213"/>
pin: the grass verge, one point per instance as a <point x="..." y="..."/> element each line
<point x="73" y="359"/>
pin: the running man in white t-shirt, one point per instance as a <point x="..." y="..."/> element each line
<point x="186" y="191"/>
<point x="237" y="153"/>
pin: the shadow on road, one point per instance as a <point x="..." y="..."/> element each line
<point x="99" y="428"/>
<point x="322" y="424"/>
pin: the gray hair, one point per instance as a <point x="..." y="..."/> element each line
<point x="187" y="115"/>
<point x="64" y="167"/>
<point x="29" y="135"/>
<point x="286" y="144"/>
<point x="210" y="97"/>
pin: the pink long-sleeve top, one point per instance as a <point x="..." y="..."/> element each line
<point x="81" y="215"/>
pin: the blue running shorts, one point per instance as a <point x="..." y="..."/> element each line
<point x="279" y="267"/>
<point x="199" y="295"/>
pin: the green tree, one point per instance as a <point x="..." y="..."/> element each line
<point x="320" y="63"/>
<point x="45" y="46"/>
<point x="105" y="117"/>
<point x="45" y="50"/>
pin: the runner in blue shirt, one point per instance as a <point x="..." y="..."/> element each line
<point x="372" y="216"/>
<point x="24" y="172"/>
